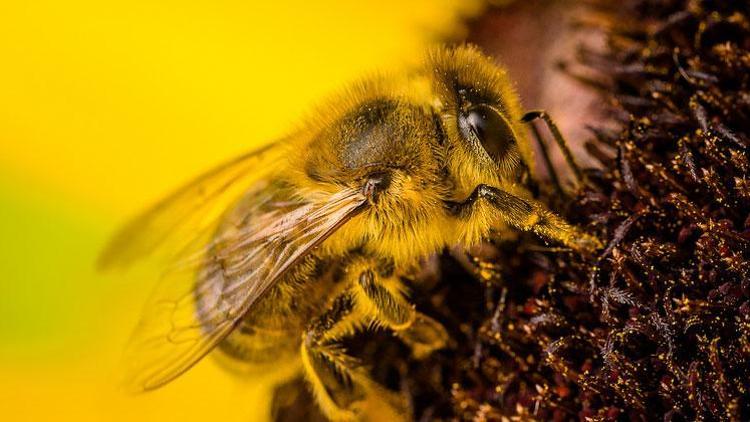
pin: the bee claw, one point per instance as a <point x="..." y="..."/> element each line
<point x="424" y="336"/>
<point x="586" y="243"/>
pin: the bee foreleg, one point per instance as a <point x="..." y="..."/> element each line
<point x="525" y="214"/>
<point x="387" y="307"/>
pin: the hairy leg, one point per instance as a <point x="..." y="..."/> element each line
<point x="342" y="389"/>
<point x="525" y="214"/>
<point x="327" y="368"/>
<point x="383" y="303"/>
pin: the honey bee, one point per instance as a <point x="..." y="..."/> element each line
<point x="278" y="255"/>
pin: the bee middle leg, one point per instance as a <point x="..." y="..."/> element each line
<point x="384" y="304"/>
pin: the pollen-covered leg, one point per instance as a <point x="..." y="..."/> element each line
<point x="328" y="369"/>
<point x="342" y="389"/>
<point x="528" y="215"/>
<point x="383" y="302"/>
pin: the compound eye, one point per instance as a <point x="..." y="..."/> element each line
<point x="491" y="129"/>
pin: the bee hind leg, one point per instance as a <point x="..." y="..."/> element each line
<point x="340" y="386"/>
<point x="327" y="368"/>
<point x="342" y="389"/>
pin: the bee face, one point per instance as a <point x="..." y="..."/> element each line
<point x="481" y="117"/>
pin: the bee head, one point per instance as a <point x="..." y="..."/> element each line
<point x="480" y="115"/>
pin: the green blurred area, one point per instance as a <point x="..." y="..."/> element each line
<point x="49" y="283"/>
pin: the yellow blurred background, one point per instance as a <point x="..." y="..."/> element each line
<point x="105" y="107"/>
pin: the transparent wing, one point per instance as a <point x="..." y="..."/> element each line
<point x="203" y="296"/>
<point x="189" y="216"/>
